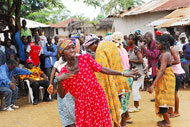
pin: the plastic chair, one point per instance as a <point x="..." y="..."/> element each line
<point x="30" y="92"/>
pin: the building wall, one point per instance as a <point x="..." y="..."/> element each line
<point x="129" y="24"/>
<point x="59" y="32"/>
<point x="103" y="32"/>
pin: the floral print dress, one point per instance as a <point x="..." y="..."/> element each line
<point x="91" y="107"/>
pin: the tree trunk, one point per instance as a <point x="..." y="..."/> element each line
<point x="17" y="15"/>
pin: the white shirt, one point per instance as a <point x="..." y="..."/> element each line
<point x="13" y="48"/>
<point x="180" y="46"/>
<point x="60" y="64"/>
<point x="2" y="48"/>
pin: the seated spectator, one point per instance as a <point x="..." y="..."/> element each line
<point x="36" y="80"/>
<point x="24" y="30"/>
<point x="2" y="58"/>
<point x="50" y="52"/>
<point x="34" y="50"/>
<point x="8" y="50"/>
<point x="7" y="87"/>
<point x="22" y="44"/>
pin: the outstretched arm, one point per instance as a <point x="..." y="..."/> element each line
<point x="113" y="72"/>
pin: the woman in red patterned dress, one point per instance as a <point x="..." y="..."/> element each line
<point x="77" y="77"/>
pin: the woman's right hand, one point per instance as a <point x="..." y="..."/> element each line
<point x="64" y="76"/>
<point x="50" y="89"/>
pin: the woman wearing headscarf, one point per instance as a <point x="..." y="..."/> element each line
<point x="112" y="55"/>
<point x="66" y="105"/>
<point x="77" y="77"/>
<point x="91" y="44"/>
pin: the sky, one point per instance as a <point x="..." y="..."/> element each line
<point x="77" y="8"/>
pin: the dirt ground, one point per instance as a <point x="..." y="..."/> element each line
<point x="46" y="114"/>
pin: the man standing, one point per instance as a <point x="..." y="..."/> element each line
<point x="34" y="50"/>
<point x="24" y="30"/>
<point x="151" y="52"/>
<point x="56" y="40"/>
<point x="8" y="88"/>
<point x="50" y="52"/>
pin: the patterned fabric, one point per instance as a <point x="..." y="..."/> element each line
<point x="165" y="90"/>
<point x="63" y="44"/>
<point x="152" y="54"/>
<point x="91" y="38"/>
<point x="125" y="98"/>
<point x="66" y="108"/>
<point x="118" y="38"/>
<point x="91" y="108"/>
<point x="35" y="77"/>
<point x="107" y="54"/>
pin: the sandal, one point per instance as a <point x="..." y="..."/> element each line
<point x="160" y="122"/>
<point x="174" y="115"/>
<point x="164" y="124"/>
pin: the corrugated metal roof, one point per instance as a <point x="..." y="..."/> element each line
<point x="157" y="5"/>
<point x="34" y="24"/>
<point x="157" y="22"/>
<point x="179" y="17"/>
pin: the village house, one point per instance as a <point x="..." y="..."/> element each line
<point x="139" y="18"/>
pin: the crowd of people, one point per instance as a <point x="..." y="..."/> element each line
<point x="94" y="77"/>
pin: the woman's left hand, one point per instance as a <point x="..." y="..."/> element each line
<point x="132" y="73"/>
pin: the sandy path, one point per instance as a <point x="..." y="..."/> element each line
<point x="46" y="114"/>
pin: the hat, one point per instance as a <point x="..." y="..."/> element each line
<point x="29" y="60"/>
<point x="158" y="33"/>
<point x="138" y="31"/>
<point x="91" y="38"/>
<point x="118" y="38"/>
<point x="183" y="35"/>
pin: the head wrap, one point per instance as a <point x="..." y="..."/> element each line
<point x="107" y="34"/>
<point x="138" y="32"/>
<point x="108" y="38"/>
<point x="63" y="44"/>
<point x="118" y="39"/>
<point x="29" y="60"/>
<point x="91" y="38"/>
<point x="77" y="44"/>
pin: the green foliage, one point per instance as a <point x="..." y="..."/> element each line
<point x="94" y="3"/>
<point x="49" y="15"/>
<point x="113" y="6"/>
<point x="30" y="6"/>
